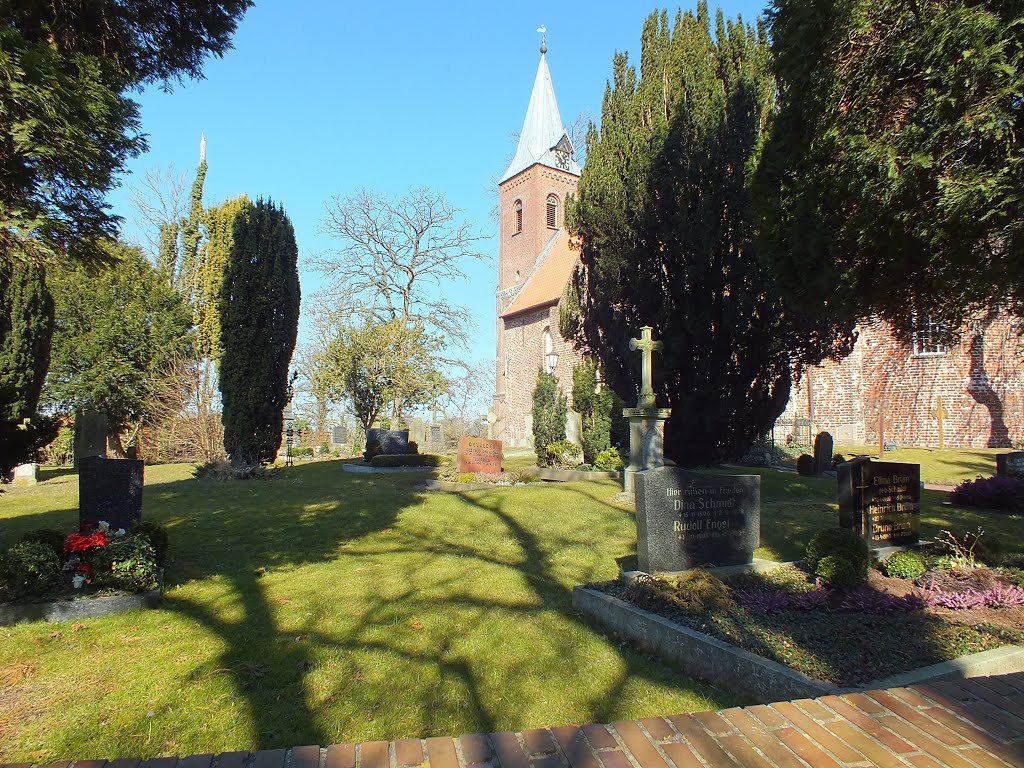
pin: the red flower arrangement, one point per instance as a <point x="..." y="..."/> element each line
<point x="83" y="542"/>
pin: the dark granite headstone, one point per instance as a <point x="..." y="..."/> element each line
<point x="339" y="435"/>
<point x="392" y="441"/>
<point x="881" y="501"/>
<point x="90" y="434"/>
<point x="109" y="490"/>
<point x="823" y="445"/>
<point x="1010" y="464"/>
<point x="687" y="519"/>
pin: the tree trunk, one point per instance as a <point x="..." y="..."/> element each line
<point x="114" y="446"/>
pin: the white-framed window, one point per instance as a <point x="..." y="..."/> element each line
<point x="929" y="337"/>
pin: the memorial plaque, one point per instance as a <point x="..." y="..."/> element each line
<point x="689" y="519"/>
<point x="477" y="454"/>
<point x="1010" y="464"/>
<point x="109" y="490"/>
<point x="392" y="441"/>
<point x="881" y="501"/>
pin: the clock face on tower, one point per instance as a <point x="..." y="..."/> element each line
<point x="562" y="160"/>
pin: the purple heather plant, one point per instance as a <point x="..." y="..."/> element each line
<point x="957" y="601"/>
<point x="775" y="600"/>
<point x="1004" y="597"/>
<point x="867" y="600"/>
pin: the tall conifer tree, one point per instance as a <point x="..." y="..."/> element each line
<point x="26" y="324"/>
<point x="259" y="320"/>
<point x="667" y="236"/>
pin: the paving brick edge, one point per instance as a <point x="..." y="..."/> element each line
<point x="767" y="681"/>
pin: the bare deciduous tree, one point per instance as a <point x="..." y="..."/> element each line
<point x="160" y="197"/>
<point x="394" y="253"/>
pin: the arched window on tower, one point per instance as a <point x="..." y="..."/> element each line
<point x="552" y="212"/>
<point x="517" y="213"/>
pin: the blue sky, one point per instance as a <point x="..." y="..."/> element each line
<point x="321" y="98"/>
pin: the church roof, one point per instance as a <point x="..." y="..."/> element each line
<point x="542" y="130"/>
<point x="547" y="283"/>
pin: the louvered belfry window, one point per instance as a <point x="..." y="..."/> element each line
<point x="552" y="211"/>
<point x="518" y="208"/>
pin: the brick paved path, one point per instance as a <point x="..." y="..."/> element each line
<point x="970" y="724"/>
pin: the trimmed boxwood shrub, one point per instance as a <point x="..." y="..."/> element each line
<point x="406" y="460"/>
<point x="1002" y="493"/>
<point x="838" y="572"/>
<point x="838" y="542"/>
<point x="805" y="464"/>
<point x="51" y="537"/>
<point x="904" y="565"/>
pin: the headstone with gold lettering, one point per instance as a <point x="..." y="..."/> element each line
<point x="688" y="519"/>
<point x="477" y="454"/>
<point x="881" y="501"/>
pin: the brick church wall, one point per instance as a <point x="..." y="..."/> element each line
<point x="979" y="378"/>
<point x="523" y="345"/>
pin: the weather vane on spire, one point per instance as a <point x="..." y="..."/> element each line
<point x="543" y="38"/>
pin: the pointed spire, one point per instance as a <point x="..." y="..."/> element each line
<point x="202" y="148"/>
<point x="543" y="138"/>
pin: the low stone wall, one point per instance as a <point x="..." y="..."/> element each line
<point x="569" y="475"/>
<point x="77" y="609"/>
<point x="720" y="663"/>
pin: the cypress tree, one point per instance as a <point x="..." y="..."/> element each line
<point x="259" y="320"/>
<point x="666" y="227"/>
<point x="26" y="325"/>
<point x="549" y="412"/>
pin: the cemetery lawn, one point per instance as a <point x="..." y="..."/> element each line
<point x="323" y="607"/>
<point x="946" y="467"/>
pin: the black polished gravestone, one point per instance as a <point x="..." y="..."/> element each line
<point x="823" y="446"/>
<point x="689" y="519"/>
<point x="881" y="501"/>
<point x="109" y="490"/>
<point x="392" y="441"/>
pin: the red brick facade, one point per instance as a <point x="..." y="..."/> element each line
<point x="522" y="343"/>
<point x="980" y="380"/>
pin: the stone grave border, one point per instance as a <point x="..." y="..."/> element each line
<point x="368" y="470"/>
<point x="79" y="608"/>
<point x="739" y="670"/>
<point x="454" y="486"/>
<point x="570" y="475"/>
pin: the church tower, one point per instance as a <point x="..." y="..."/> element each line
<point x="534" y="261"/>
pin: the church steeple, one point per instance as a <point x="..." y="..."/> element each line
<point x="543" y="138"/>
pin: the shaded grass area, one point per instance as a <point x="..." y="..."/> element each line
<point x="324" y="607"/>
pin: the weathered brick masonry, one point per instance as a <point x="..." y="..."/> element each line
<point x="980" y="380"/>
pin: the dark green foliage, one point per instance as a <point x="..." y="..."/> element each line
<point x="157" y="537"/>
<point x="549" y="412"/>
<point x="52" y="538"/>
<point x="371" y="450"/>
<point x="842" y="543"/>
<point x="29" y="569"/>
<point x="128" y="563"/>
<point x="805" y="464"/>
<point x="406" y="460"/>
<point x="596" y="409"/>
<point x="837" y="572"/>
<point x="259" y="319"/>
<point x="904" y="565"/>
<point x="890" y="184"/>
<point x="414" y="447"/>
<point x="69" y="127"/>
<point x="667" y="233"/>
<point x="115" y="332"/>
<point x="26" y="324"/>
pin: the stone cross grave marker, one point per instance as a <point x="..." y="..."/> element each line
<point x="646" y="345"/>
<point x="688" y="519"/>
<point x="882" y="405"/>
<point x="881" y="501"/>
<point x="941" y="414"/>
<point x="823" y="447"/>
<point x="109" y="490"/>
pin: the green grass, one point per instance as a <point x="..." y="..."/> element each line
<point x="946" y="467"/>
<point x="325" y="607"/>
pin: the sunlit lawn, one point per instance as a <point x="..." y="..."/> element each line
<point x="325" y="607"/>
<point x="946" y="467"/>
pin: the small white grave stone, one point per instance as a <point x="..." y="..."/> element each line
<point x="26" y="474"/>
